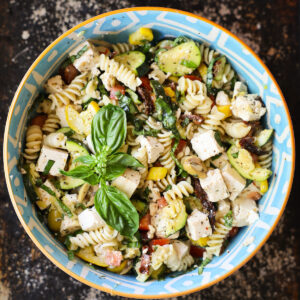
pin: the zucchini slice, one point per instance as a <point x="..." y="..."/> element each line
<point x="263" y="137"/>
<point x="131" y="59"/>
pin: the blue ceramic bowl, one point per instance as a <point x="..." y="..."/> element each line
<point x="115" y="27"/>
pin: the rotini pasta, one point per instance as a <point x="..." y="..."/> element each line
<point x="33" y="145"/>
<point x="51" y="124"/>
<point x="213" y="120"/>
<point x="265" y="160"/>
<point x="119" y="48"/>
<point x="181" y="189"/>
<point x="165" y="139"/>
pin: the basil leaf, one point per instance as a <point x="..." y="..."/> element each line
<point x="116" y="210"/>
<point x="83" y="172"/>
<point x="117" y="164"/>
<point x="180" y="40"/>
<point x="48" y="167"/>
<point x="204" y="263"/>
<point x="228" y="218"/>
<point x="189" y="64"/>
<point x="109" y="128"/>
<point x="86" y="159"/>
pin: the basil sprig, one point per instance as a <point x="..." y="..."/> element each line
<point x="108" y="135"/>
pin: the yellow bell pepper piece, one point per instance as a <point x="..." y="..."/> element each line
<point x="173" y="78"/>
<point x="157" y="173"/>
<point x="225" y="109"/>
<point x="118" y="269"/>
<point x="203" y="70"/>
<point x="88" y="255"/>
<point x="169" y="92"/>
<point x="264" y="186"/>
<point x="140" y="36"/>
<point x="202" y="242"/>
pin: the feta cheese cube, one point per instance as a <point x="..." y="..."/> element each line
<point x="58" y="156"/>
<point x="234" y="181"/>
<point x="245" y="211"/>
<point x="45" y="197"/>
<point x="69" y="225"/>
<point x="223" y="209"/>
<point x="153" y="146"/>
<point x="54" y="85"/>
<point x="198" y="225"/>
<point x="205" y="145"/>
<point x="222" y="98"/>
<point x="239" y="89"/>
<point x="221" y="161"/>
<point x="90" y="220"/>
<point x="214" y="186"/>
<point x="248" y="108"/>
<point x="128" y="182"/>
<point x="88" y="59"/>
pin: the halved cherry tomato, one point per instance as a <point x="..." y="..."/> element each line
<point x="145" y="222"/>
<point x="181" y="145"/>
<point x="146" y="83"/>
<point x="159" y="242"/>
<point x="162" y="202"/>
<point x="114" y="90"/>
<point x="193" y="77"/>
<point x="233" y="232"/>
<point x="39" y="120"/>
<point x="196" y="251"/>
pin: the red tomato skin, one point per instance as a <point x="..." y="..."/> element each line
<point x="181" y="145"/>
<point x="196" y="251"/>
<point x="39" y="120"/>
<point x="115" y="89"/>
<point x="192" y="77"/>
<point x="145" y="222"/>
<point x="162" y="202"/>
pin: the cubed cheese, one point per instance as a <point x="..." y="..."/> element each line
<point x="89" y="219"/>
<point x="214" y="186"/>
<point x="198" y="225"/>
<point x="88" y="58"/>
<point x="223" y="208"/>
<point x="234" y="181"/>
<point x="69" y="225"/>
<point x="153" y="146"/>
<point x="220" y="161"/>
<point x="245" y="211"/>
<point x="128" y="182"/>
<point x="54" y="85"/>
<point x="239" y="89"/>
<point x="248" y="108"/>
<point x="222" y="98"/>
<point x="182" y="249"/>
<point x="61" y="113"/>
<point x="58" y="156"/>
<point x="205" y="145"/>
<point x="45" y="197"/>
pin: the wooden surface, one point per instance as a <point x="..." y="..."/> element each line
<point x="271" y="28"/>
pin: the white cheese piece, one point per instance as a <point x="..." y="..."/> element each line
<point x="198" y="225"/>
<point x="223" y="209"/>
<point x="90" y="220"/>
<point x="153" y="146"/>
<point x="54" y="85"/>
<point x="128" y="182"/>
<point x="245" y="211"/>
<point x="214" y="186"/>
<point x="182" y="249"/>
<point x="205" y="144"/>
<point x="220" y="161"/>
<point x="58" y="156"/>
<point x="222" y="98"/>
<point x="248" y="108"/>
<point x="55" y="139"/>
<point x="239" y="89"/>
<point x="88" y="59"/>
<point x="45" y="196"/>
<point x="234" y="181"/>
<point x="151" y="232"/>
<point x="69" y="225"/>
<point x="108" y="80"/>
<point x="61" y="113"/>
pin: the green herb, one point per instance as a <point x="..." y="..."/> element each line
<point x="150" y="132"/>
<point x="38" y="182"/>
<point x="216" y="156"/>
<point x="79" y="53"/>
<point x="180" y="40"/>
<point x="189" y="64"/>
<point x="127" y="104"/>
<point x="235" y="155"/>
<point x="48" y="167"/>
<point x="185" y="122"/>
<point x="182" y="172"/>
<point x="218" y="138"/>
<point x="64" y="207"/>
<point x="101" y="88"/>
<point x="144" y="48"/>
<point x="248" y="182"/>
<point x="71" y="254"/>
<point x="134" y="241"/>
<point x="228" y="218"/>
<point x="108" y="135"/>
<point x="204" y="263"/>
<point x="80" y="205"/>
<point x="210" y="76"/>
<point x="169" y="187"/>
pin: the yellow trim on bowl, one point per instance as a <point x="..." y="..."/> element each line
<point x="27" y="229"/>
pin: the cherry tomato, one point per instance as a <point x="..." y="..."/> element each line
<point x="145" y="222"/>
<point x="181" y="145"/>
<point x="39" y="120"/>
<point x="196" y="251"/>
<point x="162" y="202"/>
<point x="114" y="90"/>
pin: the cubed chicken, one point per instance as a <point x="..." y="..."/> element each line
<point x="69" y="225"/>
<point x="206" y="145"/>
<point x="54" y="85"/>
<point x="198" y="225"/>
<point x="234" y="181"/>
<point x="222" y="98"/>
<point x="239" y="89"/>
<point x="58" y="156"/>
<point x="181" y="248"/>
<point x="248" y="108"/>
<point x="214" y="186"/>
<point x="90" y="219"/>
<point x="128" y="182"/>
<point x="88" y="55"/>
<point x="153" y="146"/>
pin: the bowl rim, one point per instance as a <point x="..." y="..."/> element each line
<point x="11" y="194"/>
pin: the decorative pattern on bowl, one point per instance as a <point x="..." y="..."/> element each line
<point x="115" y="27"/>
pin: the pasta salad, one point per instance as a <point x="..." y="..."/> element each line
<point x="147" y="157"/>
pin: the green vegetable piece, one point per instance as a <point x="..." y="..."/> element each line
<point x="228" y="218"/>
<point x="67" y="131"/>
<point x="133" y="96"/>
<point x="263" y="137"/>
<point x="131" y="59"/>
<point x="204" y="263"/>
<point x="211" y="73"/>
<point x="48" y="167"/>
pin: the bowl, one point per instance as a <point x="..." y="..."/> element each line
<point x="115" y="27"/>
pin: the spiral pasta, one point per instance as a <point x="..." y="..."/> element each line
<point x="51" y="124"/>
<point x="181" y="265"/>
<point x="205" y="107"/>
<point x="119" y="48"/>
<point x="70" y="93"/>
<point x="157" y="74"/>
<point x="213" y="120"/>
<point x="34" y="137"/>
<point x="207" y="53"/>
<point x="165" y="138"/>
<point x="216" y="240"/>
<point x="183" y="188"/>
<point x="265" y="160"/>
<point x="170" y="179"/>
<point x="122" y="73"/>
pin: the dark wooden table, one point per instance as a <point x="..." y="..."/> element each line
<point x="271" y="28"/>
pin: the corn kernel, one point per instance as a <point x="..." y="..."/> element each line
<point x="142" y="34"/>
<point x="202" y="242"/>
<point x="225" y="109"/>
<point x="157" y="173"/>
<point x="264" y="186"/>
<point x="203" y="70"/>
